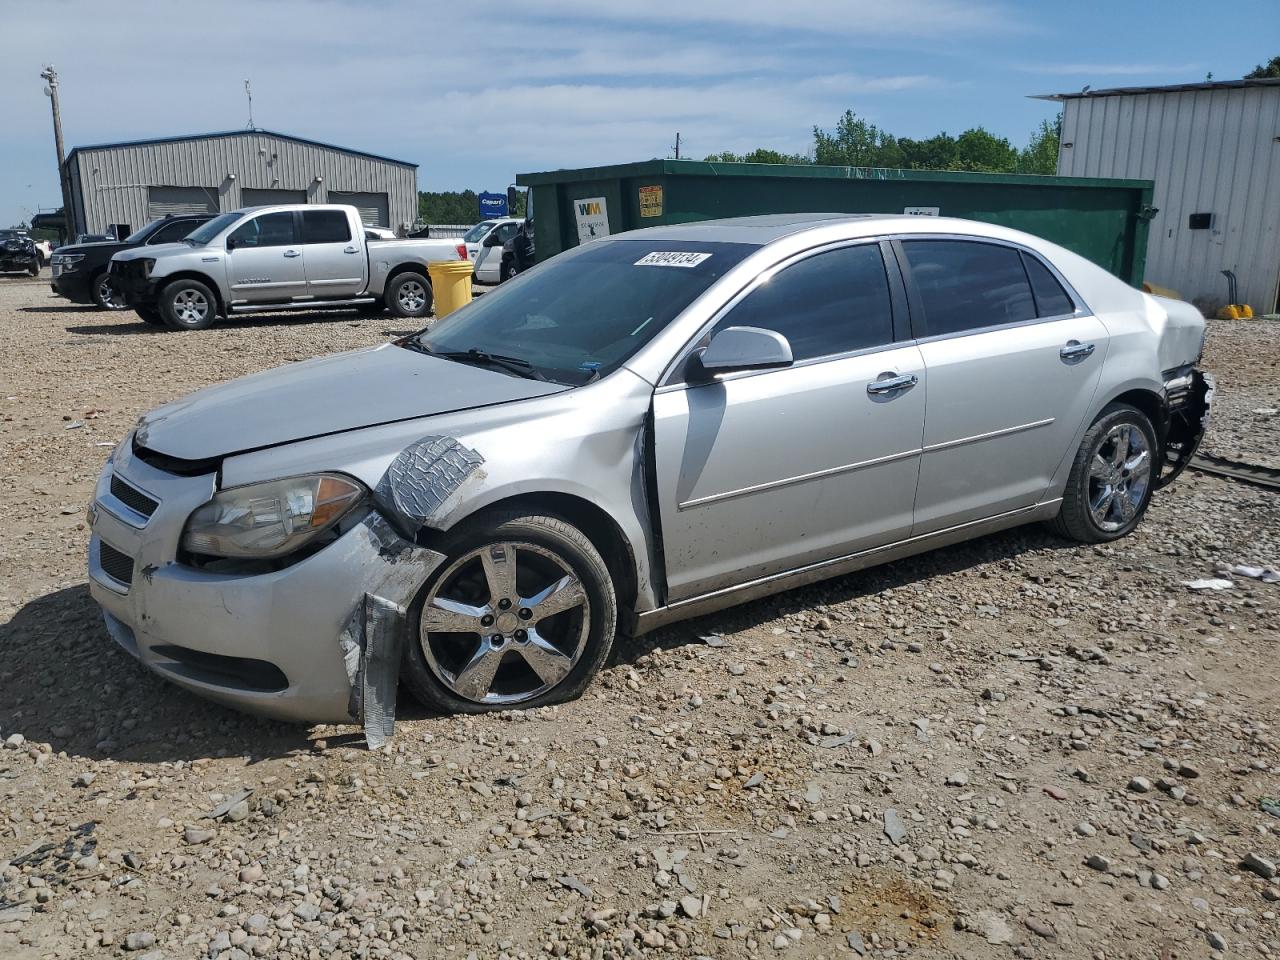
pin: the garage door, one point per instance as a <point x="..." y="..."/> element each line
<point x="251" y="197"/>
<point x="373" y="207"/>
<point x="169" y="201"/>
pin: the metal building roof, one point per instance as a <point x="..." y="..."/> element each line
<point x="1169" y="88"/>
<point x="238" y="133"/>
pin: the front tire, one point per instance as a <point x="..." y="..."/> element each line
<point x="1111" y="480"/>
<point x="409" y="295"/>
<point x="187" y="305"/>
<point x="506" y="270"/>
<point x="105" y="295"/>
<point x="522" y="614"/>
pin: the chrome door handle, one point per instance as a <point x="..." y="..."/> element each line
<point x="1075" y="350"/>
<point x="891" y="384"/>
<point x="350" y="250"/>
<point x="292" y="253"/>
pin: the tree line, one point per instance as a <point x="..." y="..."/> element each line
<point x="856" y="143"/>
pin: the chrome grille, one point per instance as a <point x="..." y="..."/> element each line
<point x="132" y="497"/>
<point x="116" y="565"/>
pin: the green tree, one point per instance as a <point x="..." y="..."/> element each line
<point x="855" y="143"/>
<point x="1040" y="155"/>
<point x="1265" y="71"/>
<point x="759" y="155"/>
<point x="457" y="206"/>
<point x="983" y="152"/>
<point x="936" y="153"/>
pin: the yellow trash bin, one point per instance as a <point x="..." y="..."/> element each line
<point x="450" y="284"/>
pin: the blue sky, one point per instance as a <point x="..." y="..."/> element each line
<point x="476" y="94"/>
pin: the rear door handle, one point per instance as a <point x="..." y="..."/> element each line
<point x="1075" y="350"/>
<point x="890" y="384"/>
<point x="292" y="253"/>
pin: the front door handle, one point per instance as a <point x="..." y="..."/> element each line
<point x="892" y="383"/>
<point x="350" y="250"/>
<point x="1075" y="350"/>
<point x="292" y="253"/>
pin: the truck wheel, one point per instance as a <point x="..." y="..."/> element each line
<point x="409" y="295"/>
<point x="506" y="270"/>
<point x="1109" y="487"/>
<point x="187" y="305"/>
<point x="34" y="269"/>
<point x="106" y="296"/>
<point x="522" y="614"/>
<point x="150" y="315"/>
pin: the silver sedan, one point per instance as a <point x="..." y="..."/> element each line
<point x="648" y="427"/>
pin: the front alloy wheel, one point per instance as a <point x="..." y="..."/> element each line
<point x="105" y="294"/>
<point x="1118" y="477"/>
<point x="521" y="615"/>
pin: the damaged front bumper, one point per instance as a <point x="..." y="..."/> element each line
<point x="298" y="643"/>
<point x="1188" y="393"/>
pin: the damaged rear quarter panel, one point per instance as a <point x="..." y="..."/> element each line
<point x="584" y="442"/>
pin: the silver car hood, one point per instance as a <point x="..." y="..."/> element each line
<point x="324" y="396"/>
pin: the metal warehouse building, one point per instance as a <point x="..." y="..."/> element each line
<point x="1213" y="150"/>
<point x="130" y="184"/>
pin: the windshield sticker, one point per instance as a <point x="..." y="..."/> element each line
<point x="671" y="258"/>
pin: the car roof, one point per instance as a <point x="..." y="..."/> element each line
<point x="765" y="229"/>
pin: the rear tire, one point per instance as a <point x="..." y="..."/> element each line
<point x="1111" y="480"/>
<point x="506" y="270"/>
<point x="188" y="305"/>
<point x="106" y="296"/>
<point x="539" y="659"/>
<point x="409" y="295"/>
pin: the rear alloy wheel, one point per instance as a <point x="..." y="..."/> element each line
<point x="522" y="615"/>
<point x="105" y="295"/>
<point x="187" y="305"/>
<point x="1110" y="484"/>
<point x="409" y="295"/>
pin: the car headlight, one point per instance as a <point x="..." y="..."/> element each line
<point x="69" y="261"/>
<point x="270" y="519"/>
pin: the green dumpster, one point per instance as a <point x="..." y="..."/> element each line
<point x="1103" y="220"/>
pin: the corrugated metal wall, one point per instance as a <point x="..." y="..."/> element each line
<point x="110" y="183"/>
<point x="1208" y="151"/>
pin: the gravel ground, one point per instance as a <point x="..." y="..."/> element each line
<point x="1013" y="747"/>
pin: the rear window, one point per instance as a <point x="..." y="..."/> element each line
<point x="325" y="226"/>
<point x="966" y="285"/>
<point x="1051" y="299"/>
<point x="586" y="311"/>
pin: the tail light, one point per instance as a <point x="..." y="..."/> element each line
<point x="462" y="251"/>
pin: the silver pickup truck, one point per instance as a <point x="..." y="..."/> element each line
<point x="289" y="257"/>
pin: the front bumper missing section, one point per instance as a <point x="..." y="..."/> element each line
<point x="1189" y="395"/>
<point x="372" y="642"/>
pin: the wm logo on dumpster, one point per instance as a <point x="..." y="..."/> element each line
<point x="592" y="209"/>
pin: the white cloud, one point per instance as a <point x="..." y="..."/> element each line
<point x="472" y="98"/>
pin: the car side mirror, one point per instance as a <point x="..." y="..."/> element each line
<point x="743" y="348"/>
<point x="231" y="244"/>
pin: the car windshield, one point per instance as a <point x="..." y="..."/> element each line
<point x="476" y="233"/>
<point x="205" y="233"/>
<point x="143" y="232"/>
<point x="584" y="313"/>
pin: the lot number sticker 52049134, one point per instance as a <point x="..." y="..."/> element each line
<point x="671" y="258"/>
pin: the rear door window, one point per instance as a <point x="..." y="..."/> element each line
<point x="325" y="226"/>
<point x="967" y="285"/>
<point x="832" y="302"/>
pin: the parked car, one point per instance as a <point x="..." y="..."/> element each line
<point x="44" y="250"/>
<point x="80" y="270"/>
<point x="645" y="428"/>
<point x="18" y="253"/>
<point x="290" y="257"/>
<point x="484" y="246"/>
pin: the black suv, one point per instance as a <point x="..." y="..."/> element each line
<point x="80" y="270"/>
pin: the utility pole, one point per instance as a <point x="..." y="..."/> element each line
<point x="50" y="77"/>
<point x="248" y="92"/>
<point x="677" y="144"/>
